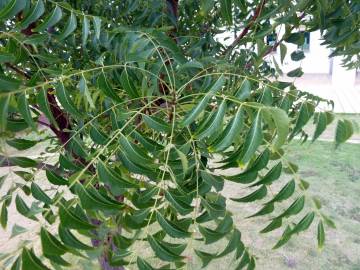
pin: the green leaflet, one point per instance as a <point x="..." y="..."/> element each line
<point x="243" y="178"/>
<point x="321" y="124"/>
<point x="305" y="113"/>
<point x="282" y="123"/>
<point x="105" y="87"/>
<point x="70" y="240"/>
<point x="143" y="265"/>
<point x="128" y="85"/>
<point x="215" y="210"/>
<point x="69" y="219"/>
<point x="8" y="84"/>
<point x="274" y="224"/>
<point x="285" y="192"/>
<point x="50" y="20"/>
<point x="266" y="209"/>
<point x="266" y="96"/>
<point x="231" y="131"/>
<point x="195" y="112"/>
<point x="344" y="130"/>
<point x="137" y="168"/>
<point x="226" y="224"/>
<point x="134" y="152"/>
<point x="12" y="8"/>
<point x="234" y="242"/>
<point x="156" y="124"/>
<point x="295" y="73"/>
<point x="245" y="259"/>
<point x="66" y="101"/>
<point x="271" y="175"/>
<point x="21" y="144"/>
<point x="216" y="123"/>
<point x="92" y="199"/>
<point x="116" y="182"/>
<point x="50" y="244"/>
<point x="23" y="162"/>
<point x="84" y="90"/>
<point x="3" y="215"/>
<point x="304" y="224"/>
<point x="97" y="26"/>
<point x="283" y="51"/>
<point x="205" y="257"/>
<point x="162" y="251"/>
<point x="6" y="57"/>
<point x="226" y="11"/>
<point x="320" y="235"/>
<point x="182" y="207"/>
<point x="34" y="14"/>
<point x="23" y="209"/>
<point x="253" y="139"/>
<point x="55" y="179"/>
<point x="39" y="194"/>
<point x="244" y="91"/>
<point x="211" y="236"/>
<point x="98" y="136"/>
<point x="30" y="261"/>
<point x="171" y="228"/>
<point x="69" y="27"/>
<point x="284" y="238"/>
<point x="260" y="162"/>
<point x="213" y="180"/>
<point x="85" y="30"/>
<point x="24" y="109"/>
<point x="256" y="195"/>
<point x="44" y="106"/>
<point x="294" y="208"/>
<point x="57" y="260"/>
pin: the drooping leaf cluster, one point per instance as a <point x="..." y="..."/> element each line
<point x="141" y="110"/>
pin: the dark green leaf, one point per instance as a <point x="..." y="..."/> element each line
<point x="256" y="195"/>
<point x="11" y="9"/>
<point x="320" y="235"/>
<point x="253" y="139"/>
<point x="195" y="112"/>
<point x="23" y="162"/>
<point x="69" y="219"/>
<point x="21" y="144"/>
<point x="157" y="124"/>
<point x="70" y="240"/>
<point x="39" y="194"/>
<point x="55" y="179"/>
<point x="66" y="101"/>
<point x="69" y="27"/>
<point x="162" y="251"/>
<point x="23" y="209"/>
<point x="50" y="20"/>
<point x="30" y="261"/>
<point x="271" y="175"/>
<point x="50" y="244"/>
<point x="171" y="228"/>
<point x="34" y="14"/>
<point x="304" y="224"/>
<point x="285" y="192"/>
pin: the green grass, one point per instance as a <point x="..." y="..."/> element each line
<point x="334" y="178"/>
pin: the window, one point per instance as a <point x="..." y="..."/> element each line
<point x="271" y="40"/>
<point x="306" y="46"/>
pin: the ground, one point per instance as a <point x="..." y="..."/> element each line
<point x="335" y="179"/>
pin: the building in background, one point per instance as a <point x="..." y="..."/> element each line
<point x="323" y="76"/>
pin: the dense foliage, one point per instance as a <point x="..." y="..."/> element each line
<point x="140" y="110"/>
